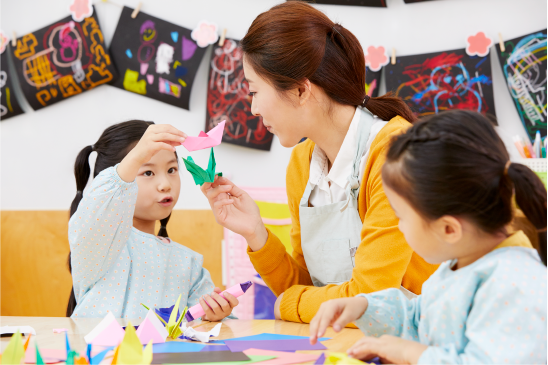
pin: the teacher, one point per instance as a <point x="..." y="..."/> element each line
<point x="306" y="75"/>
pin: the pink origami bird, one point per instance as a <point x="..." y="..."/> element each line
<point x="206" y="140"/>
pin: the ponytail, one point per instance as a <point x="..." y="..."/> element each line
<point x="389" y="106"/>
<point x="531" y="199"/>
<point x="81" y="172"/>
<point x="163" y="227"/>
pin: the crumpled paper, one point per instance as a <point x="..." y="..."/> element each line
<point x="190" y="333"/>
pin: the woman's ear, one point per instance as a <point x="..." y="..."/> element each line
<point x="305" y="90"/>
<point x="448" y="229"/>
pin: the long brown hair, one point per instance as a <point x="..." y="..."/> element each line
<point x="454" y="163"/>
<point x="294" y="41"/>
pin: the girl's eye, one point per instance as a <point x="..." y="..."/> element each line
<point x="252" y="93"/>
<point x="148" y="173"/>
<point x="172" y="170"/>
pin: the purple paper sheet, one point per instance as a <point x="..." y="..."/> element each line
<point x="279" y="345"/>
<point x="215" y="348"/>
<point x="321" y="360"/>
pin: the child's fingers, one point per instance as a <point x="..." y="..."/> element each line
<point x="164" y="146"/>
<point x="232" y="300"/>
<point x="167" y="128"/>
<point x="212" y="304"/>
<point x="343" y="319"/>
<point x="363" y="349"/>
<point x="208" y="311"/>
<point x="167" y="137"/>
<point x="223" y="303"/>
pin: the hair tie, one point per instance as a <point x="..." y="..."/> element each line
<point x="540" y="230"/>
<point x="92" y="147"/>
<point x="163" y="227"/>
<point x="507" y="167"/>
<point x="365" y="100"/>
<point x="78" y="191"/>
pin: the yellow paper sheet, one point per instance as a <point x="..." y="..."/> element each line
<point x="277" y="211"/>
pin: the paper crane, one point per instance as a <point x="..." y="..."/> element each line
<point x="200" y="175"/>
<point x="173" y="324"/>
<point x="151" y="329"/>
<point x="205" y="140"/>
<point x="130" y="351"/>
<point x="107" y="333"/>
<point x="15" y="351"/>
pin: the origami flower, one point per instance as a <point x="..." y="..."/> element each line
<point x="81" y="9"/>
<point x="205" y="34"/>
<point x="3" y="42"/>
<point x="376" y="58"/>
<point x="478" y="44"/>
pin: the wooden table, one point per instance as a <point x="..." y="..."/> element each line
<point x="78" y="328"/>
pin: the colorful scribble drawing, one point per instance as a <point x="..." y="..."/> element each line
<point x="62" y="60"/>
<point x="524" y="67"/>
<point x="228" y="99"/>
<point x="156" y="58"/>
<point x="372" y="82"/>
<point x="9" y="105"/>
<point x="433" y="83"/>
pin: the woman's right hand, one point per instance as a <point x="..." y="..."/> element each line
<point x="157" y="137"/>
<point x="234" y="209"/>
<point x="337" y="313"/>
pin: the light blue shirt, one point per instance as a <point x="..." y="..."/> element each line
<point x="115" y="267"/>
<point x="491" y="311"/>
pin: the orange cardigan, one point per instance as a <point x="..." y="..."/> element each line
<point x="383" y="259"/>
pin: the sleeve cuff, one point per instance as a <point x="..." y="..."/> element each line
<point x="372" y="320"/>
<point x="289" y="307"/>
<point x="268" y="258"/>
<point x="113" y="172"/>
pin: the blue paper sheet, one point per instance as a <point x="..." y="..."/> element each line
<point x="267" y="337"/>
<point x="176" y="346"/>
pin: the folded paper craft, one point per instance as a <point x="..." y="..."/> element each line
<point x="340" y="358"/>
<point x="130" y="351"/>
<point x="15" y="350"/>
<point x="107" y="333"/>
<point x="13" y="329"/>
<point x="200" y="175"/>
<point x="205" y="140"/>
<point x="190" y="333"/>
<point x="151" y="329"/>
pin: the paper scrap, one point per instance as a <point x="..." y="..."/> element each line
<point x="282" y="358"/>
<point x="205" y="140"/>
<point x="215" y="348"/>
<point x="253" y="360"/>
<point x="13" y="329"/>
<point x="200" y="175"/>
<point x="340" y="358"/>
<point x="280" y="345"/>
<point x="190" y="333"/>
<point x="199" y="357"/>
<point x="59" y="330"/>
<point x="107" y="333"/>
<point x="268" y="337"/>
<point x="151" y="329"/>
<point x="320" y="360"/>
<point x="177" y="346"/>
<point x="15" y="351"/>
<point x="49" y="356"/>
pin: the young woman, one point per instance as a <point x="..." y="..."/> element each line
<point x="306" y="75"/>
<point x="452" y="186"/>
<point x="117" y="261"/>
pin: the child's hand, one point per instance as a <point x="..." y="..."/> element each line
<point x="390" y="349"/>
<point x="216" y="307"/>
<point x="156" y="138"/>
<point x="337" y="313"/>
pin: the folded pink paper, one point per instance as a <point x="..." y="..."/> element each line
<point x="282" y="358"/>
<point x="206" y="140"/>
<point x="50" y="356"/>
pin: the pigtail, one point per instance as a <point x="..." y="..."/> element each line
<point x="163" y="227"/>
<point x="531" y="199"/>
<point x="82" y="171"/>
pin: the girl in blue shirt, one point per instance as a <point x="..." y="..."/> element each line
<point x="117" y="261"/>
<point x="451" y="183"/>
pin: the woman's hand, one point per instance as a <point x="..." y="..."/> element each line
<point x="390" y="349"/>
<point x="156" y="138"/>
<point x="337" y="313"/>
<point x="216" y="307"/>
<point x="234" y="209"/>
<point x="277" y="313"/>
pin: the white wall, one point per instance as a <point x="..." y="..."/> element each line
<point x="38" y="148"/>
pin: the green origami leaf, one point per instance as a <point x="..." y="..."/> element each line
<point x="200" y="175"/>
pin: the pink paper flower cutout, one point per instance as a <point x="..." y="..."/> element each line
<point x="205" y="34"/>
<point x="478" y="44"/>
<point x="3" y="42"/>
<point x="376" y="58"/>
<point x="81" y="9"/>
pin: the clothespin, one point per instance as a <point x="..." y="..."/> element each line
<point x="13" y="39"/>
<point x="136" y="11"/>
<point x="393" y="56"/>
<point x="222" y="40"/>
<point x="501" y="43"/>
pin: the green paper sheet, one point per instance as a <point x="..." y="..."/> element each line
<point x="200" y="175"/>
<point x="254" y="359"/>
